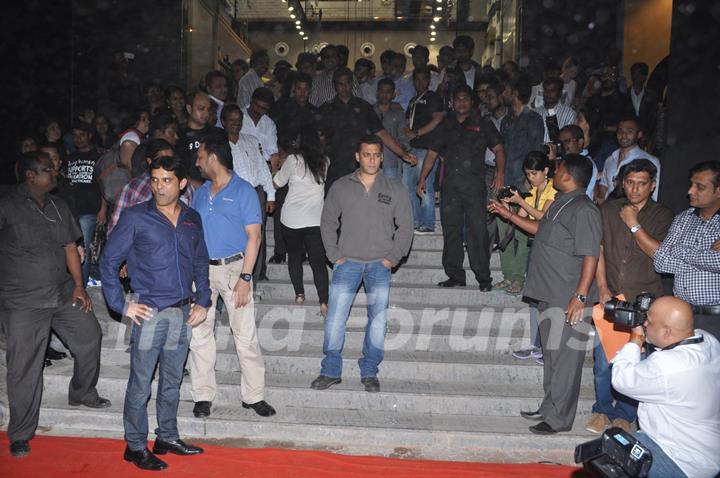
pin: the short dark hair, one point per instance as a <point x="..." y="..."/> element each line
<point x="422" y="70"/>
<point x="172" y="89"/>
<point x="554" y="80"/>
<point x="640" y="66"/>
<point x="579" y="167"/>
<point x="387" y="55"/>
<point x="263" y="94"/>
<point x="301" y="77"/>
<point x="162" y="121"/>
<point x="154" y="146"/>
<point x="327" y="48"/>
<point x="575" y="130"/>
<point x="340" y="72"/>
<point x="363" y="62"/>
<point x="538" y="161"/>
<point x="640" y="165"/>
<point x="713" y="166"/>
<point x="30" y="162"/>
<point x="633" y="118"/>
<point x="487" y="79"/>
<point x="217" y="144"/>
<point x="463" y="88"/>
<point x="211" y="75"/>
<point x="304" y="58"/>
<point x="421" y="49"/>
<point x="369" y="139"/>
<point x="241" y="62"/>
<point x="523" y="86"/>
<point x="464" y="40"/>
<point x="230" y="108"/>
<point x="170" y="163"/>
<point x="386" y="82"/>
<point x="256" y="55"/>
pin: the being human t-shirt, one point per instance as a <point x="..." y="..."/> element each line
<point x="83" y="183"/>
<point x="188" y="145"/>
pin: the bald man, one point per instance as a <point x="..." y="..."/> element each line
<point x="678" y="387"/>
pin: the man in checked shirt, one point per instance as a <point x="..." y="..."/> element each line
<point x="691" y="249"/>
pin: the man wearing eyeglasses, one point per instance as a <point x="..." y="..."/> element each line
<point x="573" y="142"/>
<point x="41" y="288"/>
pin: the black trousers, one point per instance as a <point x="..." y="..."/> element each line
<point x="280" y="248"/>
<point x="27" y="333"/>
<point x="463" y="203"/>
<point x="298" y="241"/>
<point x="260" y="269"/>
<point x="709" y="323"/>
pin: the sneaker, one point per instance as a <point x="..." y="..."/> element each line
<point x="93" y="282"/>
<point x="598" y="423"/>
<point x="622" y="423"/>
<point x="539" y="360"/>
<point x="524" y="354"/>
<point x="424" y="231"/>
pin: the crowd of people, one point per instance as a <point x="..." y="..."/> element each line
<point x="557" y="175"/>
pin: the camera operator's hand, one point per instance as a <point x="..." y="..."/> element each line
<point x="515" y="198"/>
<point x="502" y="210"/>
<point x="637" y="336"/>
<point x="552" y="151"/>
<point x="574" y="312"/>
<point x="605" y="294"/>
<point x="629" y="215"/>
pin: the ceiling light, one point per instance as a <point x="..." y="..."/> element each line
<point x="290" y="9"/>
<point x="292" y="15"/>
<point x="297" y="22"/>
<point x="433" y="33"/>
<point x="298" y="27"/>
<point x="302" y="33"/>
<point x="439" y="9"/>
<point x="432" y="38"/>
<point x="439" y="1"/>
<point x="432" y="27"/>
<point x="436" y="19"/>
<point x="376" y="18"/>
<point x="306" y="38"/>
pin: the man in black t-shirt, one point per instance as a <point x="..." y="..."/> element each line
<point x="424" y="114"/>
<point x="90" y="206"/>
<point x="194" y="132"/>
<point x="461" y="138"/>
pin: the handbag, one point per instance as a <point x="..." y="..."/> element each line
<point x="98" y="242"/>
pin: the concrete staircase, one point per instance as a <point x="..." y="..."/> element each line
<point x="450" y="388"/>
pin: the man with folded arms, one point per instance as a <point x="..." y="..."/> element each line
<point x="230" y="211"/>
<point x="162" y="242"/>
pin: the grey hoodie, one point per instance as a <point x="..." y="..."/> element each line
<point x="367" y="226"/>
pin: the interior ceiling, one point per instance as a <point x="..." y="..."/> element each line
<point x="352" y="10"/>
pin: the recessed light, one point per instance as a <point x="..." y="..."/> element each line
<point x="436" y="19"/>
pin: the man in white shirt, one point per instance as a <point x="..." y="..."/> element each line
<point x="678" y="387"/>
<point x="420" y="59"/>
<point x="564" y="115"/>
<point x="464" y="47"/>
<point x="628" y="135"/>
<point x="259" y="64"/>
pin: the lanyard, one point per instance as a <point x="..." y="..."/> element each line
<point x="414" y="107"/>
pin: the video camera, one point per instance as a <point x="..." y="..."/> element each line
<point x="507" y="192"/>
<point x="616" y="454"/>
<point x="629" y="315"/>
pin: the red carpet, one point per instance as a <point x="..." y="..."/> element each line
<point x="59" y="457"/>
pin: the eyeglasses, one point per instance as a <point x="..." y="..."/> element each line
<point x="49" y="169"/>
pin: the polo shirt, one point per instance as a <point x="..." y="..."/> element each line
<point x="226" y="214"/>
<point x="462" y="144"/>
<point x="343" y="125"/>
<point x="570" y="230"/>
<point x="628" y="269"/>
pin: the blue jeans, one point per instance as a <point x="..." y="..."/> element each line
<point x="534" y="328"/>
<point x="607" y="400"/>
<point x="392" y="171"/>
<point x="423" y="211"/>
<point x="87" y="226"/>
<point x="663" y="466"/>
<point x="164" y="338"/>
<point x="346" y="280"/>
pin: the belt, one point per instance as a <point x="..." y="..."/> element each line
<point x="180" y="303"/>
<point x="227" y="260"/>
<point x="706" y="309"/>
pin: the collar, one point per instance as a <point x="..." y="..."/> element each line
<point x="23" y="191"/>
<point x="217" y="100"/>
<point x="697" y="211"/>
<point x="571" y="194"/>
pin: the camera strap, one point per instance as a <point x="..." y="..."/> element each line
<point x="690" y="341"/>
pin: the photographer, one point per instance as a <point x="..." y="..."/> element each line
<point x="678" y="390"/>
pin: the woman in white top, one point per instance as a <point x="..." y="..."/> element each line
<point x="305" y="172"/>
<point x="131" y="138"/>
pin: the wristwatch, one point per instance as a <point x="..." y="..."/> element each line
<point x="635" y="228"/>
<point x="246" y="277"/>
<point x="581" y="298"/>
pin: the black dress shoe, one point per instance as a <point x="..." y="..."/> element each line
<point x="99" y="402"/>
<point x="543" y="428"/>
<point x="485" y="287"/>
<point x="262" y="408"/>
<point x="186" y="372"/>
<point x="52" y="354"/>
<point x="20" y="448"/>
<point x="534" y="416"/>
<point x="277" y="259"/>
<point x="323" y="382"/>
<point x="47" y="363"/>
<point x="372" y="384"/>
<point x="452" y="283"/>
<point x="144" y="460"/>
<point x="202" y="409"/>
<point x="178" y="447"/>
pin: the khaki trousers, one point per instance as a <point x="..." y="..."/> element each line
<point x="203" y="349"/>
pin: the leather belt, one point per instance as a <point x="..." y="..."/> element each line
<point x="180" y="303"/>
<point x="706" y="309"/>
<point x="227" y="260"/>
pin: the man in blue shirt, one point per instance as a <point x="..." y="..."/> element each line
<point x="162" y="242"/>
<point x="230" y="211"/>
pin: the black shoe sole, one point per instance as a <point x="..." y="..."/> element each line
<point x="169" y="450"/>
<point x="330" y="384"/>
<point x="129" y="460"/>
<point x="532" y="417"/>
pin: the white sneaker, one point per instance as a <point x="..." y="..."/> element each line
<point x="92" y="282"/>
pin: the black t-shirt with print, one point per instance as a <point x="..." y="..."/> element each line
<point x="424" y="106"/>
<point x="83" y="183"/>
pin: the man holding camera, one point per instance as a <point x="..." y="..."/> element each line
<point x="633" y="228"/>
<point x="677" y="387"/>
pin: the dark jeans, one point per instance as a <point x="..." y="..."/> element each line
<point x="164" y="339"/>
<point x="87" y="226"/>
<point x="709" y="323"/>
<point x="260" y="269"/>
<point x="280" y="248"/>
<point x="27" y="332"/>
<point x="463" y="202"/>
<point x="297" y="242"/>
